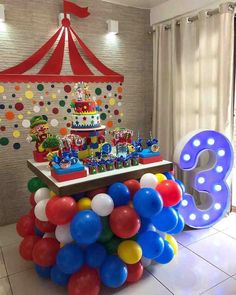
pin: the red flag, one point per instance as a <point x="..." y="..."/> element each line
<point x="70" y="7"/>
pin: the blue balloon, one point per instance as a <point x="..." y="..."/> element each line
<point x="166" y="220"/>
<point x="113" y="272"/>
<point x="167" y="255"/>
<point x="95" y="255"/>
<point x="152" y="244"/>
<point x="38" y="232"/>
<point x="43" y="272"/>
<point x="169" y="176"/>
<point x="58" y="277"/>
<point x="146" y="225"/>
<point x="147" y="202"/>
<point x="86" y="227"/>
<point x="180" y="183"/>
<point x="70" y="258"/>
<point x="179" y="227"/>
<point x="119" y="193"/>
<point x="176" y="207"/>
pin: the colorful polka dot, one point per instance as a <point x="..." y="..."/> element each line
<point x="119" y="120"/>
<point x="16" y="146"/>
<point x="19" y="106"/>
<point x="17" y="87"/>
<point x="29" y="94"/>
<point x="16" y="133"/>
<point x="62" y="103"/>
<point x="2" y="128"/>
<point x="40" y="87"/>
<point x="99" y="102"/>
<point x="2" y="106"/>
<point x="112" y="101"/>
<point x="36" y="109"/>
<point x="109" y="124"/>
<point x="109" y="87"/>
<point x="54" y="96"/>
<point x="103" y="116"/>
<point x="120" y="96"/>
<point x="68" y="110"/>
<point x="55" y="111"/>
<point x="4" y="141"/>
<point x="54" y="122"/>
<point x="41" y="103"/>
<point x="29" y="112"/>
<point x="45" y="117"/>
<point x="20" y="117"/>
<point x="68" y="125"/>
<point x="116" y="112"/>
<point x="9" y="115"/>
<point x="119" y="89"/>
<point x="98" y="91"/>
<point x="2" y="89"/>
<point x="26" y="123"/>
<point x="13" y="95"/>
<point x="16" y="126"/>
<point x="67" y="88"/>
<point x="63" y="131"/>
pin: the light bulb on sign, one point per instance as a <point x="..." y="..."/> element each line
<point x="211" y="180"/>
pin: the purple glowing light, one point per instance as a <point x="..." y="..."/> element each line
<point x="211" y="180"/>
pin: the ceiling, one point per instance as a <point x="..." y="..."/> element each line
<point x="145" y="4"/>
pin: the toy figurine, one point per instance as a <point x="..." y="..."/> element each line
<point x="138" y="144"/>
<point x="152" y="143"/>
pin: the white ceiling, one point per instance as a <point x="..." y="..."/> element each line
<point x="148" y="4"/>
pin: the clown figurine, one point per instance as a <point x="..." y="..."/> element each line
<point x="38" y="134"/>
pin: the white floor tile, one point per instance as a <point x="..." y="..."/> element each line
<point x="231" y="231"/>
<point x="3" y="272"/>
<point x="8" y="235"/>
<point x="147" y="285"/>
<point x="14" y="262"/>
<point x="188" y="237"/>
<point x="220" y="250"/>
<point x="226" y="222"/>
<point x="28" y="282"/>
<point x="5" y="288"/>
<point x="187" y="274"/>
<point x="227" y="287"/>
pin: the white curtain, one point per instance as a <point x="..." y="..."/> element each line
<point x="193" y="77"/>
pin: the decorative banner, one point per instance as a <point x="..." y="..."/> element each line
<point x="211" y="180"/>
<point x="20" y="102"/>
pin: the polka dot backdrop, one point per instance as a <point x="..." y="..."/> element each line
<point x="19" y="102"/>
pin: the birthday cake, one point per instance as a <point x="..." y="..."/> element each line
<point x="86" y="112"/>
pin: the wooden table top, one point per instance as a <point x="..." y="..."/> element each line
<point x="95" y="181"/>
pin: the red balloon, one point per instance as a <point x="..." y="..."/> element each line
<point x="95" y="192"/>
<point x="31" y="213"/>
<point x="133" y="186"/>
<point x="45" y="226"/>
<point x="26" y="247"/>
<point x="61" y="210"/>
<point x="135" y="272"/>
<point x="45" y="252"/>
<point x="170" y="192"/>
<point x="124" y="222"/>
<point x="84" y="282"/>
<point x="32" y="201"/>
<point x="25" y="226"/>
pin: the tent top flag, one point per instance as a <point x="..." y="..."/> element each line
<point x="51" y="71"/>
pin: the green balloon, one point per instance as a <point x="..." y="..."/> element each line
<point x="106" y="234"/>
<point x="34" y="184"/>
<point x="112" y="245"/>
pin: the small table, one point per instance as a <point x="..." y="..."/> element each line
<point x="92" y="182"/>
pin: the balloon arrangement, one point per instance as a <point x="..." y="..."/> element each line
<point x="103" y="236"/>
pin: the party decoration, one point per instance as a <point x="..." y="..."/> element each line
<point x="43" y="272"/>
<point x="160" y="177"/>
<point x="27" y="246"/>
<point x="152" y="244"/>
<point x="173" y="243"/>
<point x="133" y="186"/>
<point x="41" y="194"/>
<point x="148" y="180"/>
<point x="119" y="193"/>
<point x="86" y="227"/>
<point x="135" y="272"/>
<point x="40" y="210"/>
<point x="170" y="192"/>
<point x="113" y="272"/>
<point x="45" y="226"/>
<point x="130" y="252"/>
<point x="45" y="251"/>
<point x="63" y="234"/>
<point x="61" y="210"/>
<point x="211" y="179"/>
<point x="147" y="202"/>
<point x="84" y="204"/>
<point x="86" y="281"/>
<point x="179" y="227"/>
<point x="167" y="255"/>
<point x="106" y="233"/>
<point x="102" y="204"/>
<point x="58" y="277"/>
<point x="124" y="222"/>
<point x="166" y="220"/>
<point x="34" y="184"/>
<point x="70" y="258"/>
<point x="95" y="255"/>
<point x="25" y="226"/>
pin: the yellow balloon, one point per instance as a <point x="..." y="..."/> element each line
<point x="160" y="177"/>
<point x="130" y="252"/>
<point x="52" y="194"/>
<point x="84" y="204"/>
<point x="173" y="243"/>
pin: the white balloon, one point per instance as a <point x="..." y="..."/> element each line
<point x="49" y="235"/>
<point x="63" y="234"/>
<point x="102" y="204"/>
<point x="145" y="261"/>
<point x="40" y="211"/>
<point x="42" y="194"/>
<point x="148" y="180"/>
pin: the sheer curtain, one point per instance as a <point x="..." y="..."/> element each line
<point x="193" y="77"/>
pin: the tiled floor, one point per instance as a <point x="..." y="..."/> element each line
<point x="206" y="264"/>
